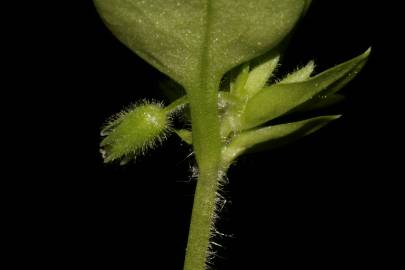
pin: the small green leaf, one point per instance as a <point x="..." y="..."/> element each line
<point x="177" y="105"/>
<point x="134" y="131"/>
<point x="300" y="75"/>
<point x="273" y="136"/>
<point x="237" y="87"/>
<point x="348" y="77"/>
<point x="279" y="99"/>
<point x="259" y="76"/>
<point x="185" y="135"/>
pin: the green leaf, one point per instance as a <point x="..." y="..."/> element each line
<point x="300" y="75"/>
<point x="238" y="86"/>
<point x="320" y="102"/>
<point x="259" y="76"/>
<point x="185" y="135"/>
<point x="177" y="105"/>
<point x="273" y="136"/>
<point x="281" y="98"/>
<point x="339" y="84"/>
<point x="178" y="37"/>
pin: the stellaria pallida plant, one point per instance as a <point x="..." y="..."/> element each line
<point x="223" y="53"/>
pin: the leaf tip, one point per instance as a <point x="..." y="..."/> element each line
<point x="367" y="53"/>
<point x="334" y="117"/>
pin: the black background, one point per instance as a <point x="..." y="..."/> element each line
<point x="326" y="201"/>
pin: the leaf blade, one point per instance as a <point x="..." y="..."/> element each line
<point x="274" y="136"/>
<point x="259" y="76"/>
<point x="172" y="35"/>
<point x="320" y="103"/>
<point x="300" y="75"/>
<point x="185" y="135"/>
<point x="280" y="99"/>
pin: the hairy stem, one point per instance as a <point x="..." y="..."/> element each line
<point x="203" y="98"/>
<point x="207" y="148"/>
<point x="202" y="222"/>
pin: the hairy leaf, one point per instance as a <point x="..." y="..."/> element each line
<point x="300" y="75"/>
<point x="259" y="76"/>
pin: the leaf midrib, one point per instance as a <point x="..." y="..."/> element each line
<point x="205" y="47"/>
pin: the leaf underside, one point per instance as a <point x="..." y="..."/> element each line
<point x="178" y="37"/>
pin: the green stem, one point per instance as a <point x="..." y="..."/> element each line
<point x="207" y="149"/>
<point x="203" y="98"/>
<point x="201" y="222"/>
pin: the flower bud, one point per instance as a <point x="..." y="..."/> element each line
<point x="134" y="131"/>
